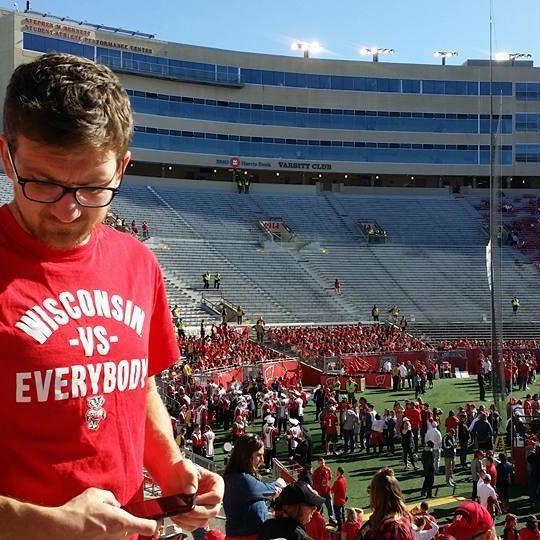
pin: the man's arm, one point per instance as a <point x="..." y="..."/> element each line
<point x="172" y="471"/>
<point x="95" y="514"/>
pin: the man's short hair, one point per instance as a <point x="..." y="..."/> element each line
<point x="70" y="102"/>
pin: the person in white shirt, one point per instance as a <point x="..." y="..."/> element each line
<point x="300" y="408"/>
<point x="418" y="527"/>
<point x="433" y="434"/>
<point x="293" y="435"/>
<point x="402" y="374"/>
<point x="209" y="437"/>
<point x="387" y="367"/>
<point x="485" y="492"/>
<point x="269" y="437"/>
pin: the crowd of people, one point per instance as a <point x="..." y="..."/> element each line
<point x="335" y="340"/>
<point x="222" y="347"/>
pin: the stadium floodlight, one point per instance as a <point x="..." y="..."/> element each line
<point x="374" y="52"/>
<point x="307" y="48"/>
<point x="443" y="55"/>
<point x="512" y="57"/>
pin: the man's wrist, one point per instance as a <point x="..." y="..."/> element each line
<point x="25" y="520"/>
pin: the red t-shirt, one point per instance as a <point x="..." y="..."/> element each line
<point x="451" y="422"/>
<point x="81" y="330"/>
<point x="339" y="489"/>
<point x="321" y="480"/>
<point x="330" y="423"/>
<point x="527" y="534"/>
<point x="413" y="414"/>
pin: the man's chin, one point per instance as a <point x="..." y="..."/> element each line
<point x="64" y="239"/>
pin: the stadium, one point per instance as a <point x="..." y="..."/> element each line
<point x="317" y="190"/>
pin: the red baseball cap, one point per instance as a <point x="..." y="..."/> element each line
<point x="470" y="519"/>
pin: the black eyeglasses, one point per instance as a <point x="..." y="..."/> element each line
<point x="45" y="192"/>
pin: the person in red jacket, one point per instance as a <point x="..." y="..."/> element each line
<point x="339" y="489"/>
<point x="322" y="476"/>
<point x="412" y="412"/>
<point x="316" y="528"/>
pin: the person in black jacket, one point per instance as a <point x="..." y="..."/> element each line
<point x="481" y="386"/>
<point x="482" y="433"/>
<point x="463" y="439"/>
<point x="428" y="463"/>
<point x="294" y="508"/>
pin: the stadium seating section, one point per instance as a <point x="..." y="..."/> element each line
<point x="432" y="267"/>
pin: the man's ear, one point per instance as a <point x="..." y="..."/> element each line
<point x="125" y="161"/>
<point x="4" y="155"/>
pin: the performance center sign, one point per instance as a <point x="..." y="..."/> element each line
<point x="73" y="33"/>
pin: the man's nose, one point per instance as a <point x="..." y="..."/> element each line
<point x="66" y="209"/>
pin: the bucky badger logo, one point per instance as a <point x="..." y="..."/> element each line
<point x="95" y="412"/>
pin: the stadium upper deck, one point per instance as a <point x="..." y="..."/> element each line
<point x="199" y="111"/>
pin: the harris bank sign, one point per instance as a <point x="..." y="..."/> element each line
<point x="236" y="163"/>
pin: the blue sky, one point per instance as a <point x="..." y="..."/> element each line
<point x="414" y="28"/>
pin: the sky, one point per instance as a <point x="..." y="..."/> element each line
<point x="413" y="28"/>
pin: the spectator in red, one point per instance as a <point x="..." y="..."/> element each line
<point x="390" y="519"/>
<point x="330" y="421"/>
<point x="337" y="286"/>
<point x="351" y="526"/>
<point x="238" y="428"/>
<point x="490" y="468"/>
<point x="339" y="489"/>
<point x="412" y="412"/>
<point x="322" y="476"/>
<point x="530" y="531"/>
<point x="316" y="528"/>
<point x="197" y="441"/>
<point x="508" y="376"/>
<point x="451" y="422"/>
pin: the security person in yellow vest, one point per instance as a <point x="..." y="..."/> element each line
<point x="181" y="328"/>
<point x="350" y="387"/>
<point x="239" y="315"/>
<point x="217" y="280"/>
<point x="375" y="312"/>
<point x="515" y="304"/>
<point x="206" y="280"/>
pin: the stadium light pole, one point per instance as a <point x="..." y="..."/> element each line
<point x="374" y="52"/>
<point x="306" y="48"/>
<point x="443" y="55"/>
<point x="505" y="56"/>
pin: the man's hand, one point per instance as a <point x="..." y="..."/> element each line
<point x="95" y="514"/>
<point x="189" y="478"/>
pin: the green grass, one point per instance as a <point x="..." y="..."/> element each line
<point x="447" y="394"/>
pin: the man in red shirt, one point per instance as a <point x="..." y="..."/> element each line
<point x="322" y="476"/>
<point x="451" y="422"/>
<point x="330" y="422"/>
<point x="88" y="338"/>
<point x="339" y="489"/>
<point x="412" y="412"/>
